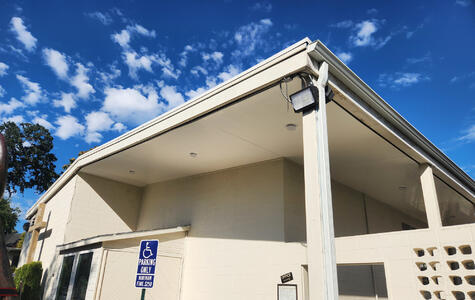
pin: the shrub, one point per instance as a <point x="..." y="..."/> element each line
<point x="20" y="241"/>
<point x="30" y="277"/>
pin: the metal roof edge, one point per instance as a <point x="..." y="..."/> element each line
<point x="320" y="52"/>
<point x="122" y="236"/>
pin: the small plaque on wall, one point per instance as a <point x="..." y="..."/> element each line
<point x="286" y="292"/>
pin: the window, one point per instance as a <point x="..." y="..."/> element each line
<point x="82" y="276"/>
<point x="74" y="277"/>
<point x="64" y="278"/>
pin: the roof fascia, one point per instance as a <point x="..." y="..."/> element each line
<point x="381" y="112"/>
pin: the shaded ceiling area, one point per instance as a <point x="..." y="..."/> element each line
<point x="255" y="129"/>
<point x="246" y="132"/>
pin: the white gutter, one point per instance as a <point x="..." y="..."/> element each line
<point x="338" y="69"/>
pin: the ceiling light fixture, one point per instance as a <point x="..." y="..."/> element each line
<point x="193" y="154"/>
<point x="131" y="172"/>
<point x="291" y="127"/>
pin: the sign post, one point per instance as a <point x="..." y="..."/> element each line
<point x="147" y="263"/>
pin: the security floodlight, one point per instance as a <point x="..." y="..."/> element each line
<point x="307" y="98"/>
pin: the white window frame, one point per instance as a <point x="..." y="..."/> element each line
<point x="93" y="272"/>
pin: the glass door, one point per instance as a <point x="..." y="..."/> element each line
<point x="74" y="276"/>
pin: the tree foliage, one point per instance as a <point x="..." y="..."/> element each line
<point x="28" y="280"/>
<point x="71" y="160"/>
<point x="30" y="161"/>
<point x="8" y="215"/>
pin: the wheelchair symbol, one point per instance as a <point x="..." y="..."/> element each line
<point x="147" y="250"/>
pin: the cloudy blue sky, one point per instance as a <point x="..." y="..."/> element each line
<point x="91" y="70"/>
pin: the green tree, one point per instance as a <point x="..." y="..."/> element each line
<point x="71" y="160"/>
<point x="8" y="215"/>
<point x="30" y="161"/>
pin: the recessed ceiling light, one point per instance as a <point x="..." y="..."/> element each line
<point x="193" y="154"/>
<point x="131" y="172"/>
<point x="291" y="127"/>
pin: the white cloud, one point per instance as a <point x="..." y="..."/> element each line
<point x="3" y="69"/>
<point x="400" y="79"/>
<point x="141" y="30"/>
<point x="469" y="134"/>
<point x="104" y="18"/>
<point x="68" y="126"/>
<point x="66" y="101"/>
<point x="407" y="79"/>
<point x="263" y="6"/>
<point x="364" y="34"/>
<point x="216" y="56"/>
<point x="131" y="106"/>
<point x="108" y="77"/>
<point x="98" y="121"/>
<point x="415" y="60"/>
<point x="136" y="63"/>
<point x="197" y="70"/>
<point x="122" y="38"/>
<point x="22" y="34"/>
<point x="2" y="91"/>
<point x="173" y="97"/>
<point x="345" y="57"/>
<point x="57" y="61"/>
<point x="80" y="82"/>
<point x="343" y="24"/>
<point x="372" y="11"/>
<point x="250" y="36"/>
<point x="195" y="93"/>
<point x="184" y="55"/>
<point x="231" y="71"/>
<point x="93" y="137"/>
<point x="43" y="122"/>
<point x="119" y="127"/>
<point x="18" y="119"/>
<point x="463" y="3"/>
<point x="33" y="91"/>
<point x="463" y="77"/>
<point x="8" y="108"/>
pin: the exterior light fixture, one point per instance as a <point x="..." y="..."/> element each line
<point x="193" y="154"/>
<point x="291" y="127"/>
<point x="307" y="98"/>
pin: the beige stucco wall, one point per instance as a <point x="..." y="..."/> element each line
<point x="349" y="213"/>
<point x="102" y="206"/>
<point x="236" y="247"/>
<point x="120" y="265"/>
<point x="56" y="216"/>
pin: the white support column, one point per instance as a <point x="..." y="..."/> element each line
<point x="318" y="200"/>
<point x="429" y="193"/>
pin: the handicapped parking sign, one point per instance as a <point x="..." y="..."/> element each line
<point x="146" y="264"/>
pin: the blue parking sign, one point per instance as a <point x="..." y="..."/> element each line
<point x="146" y="264"/>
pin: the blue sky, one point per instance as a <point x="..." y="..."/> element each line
<point x="91" y="70"/>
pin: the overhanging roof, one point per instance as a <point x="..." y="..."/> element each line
<point x="291" y="60"/>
